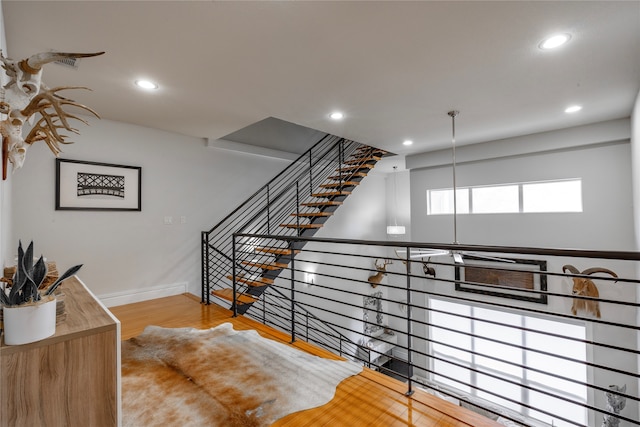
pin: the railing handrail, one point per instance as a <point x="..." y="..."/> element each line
<point x="283" y="190"/>
<point x="525" y="250"/>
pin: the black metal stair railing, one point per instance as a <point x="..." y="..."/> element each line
<point x="478" y="333"/>
<point x="295" y="203"/>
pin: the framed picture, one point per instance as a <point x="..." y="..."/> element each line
<point x="504" y="278"/>
<point x="91" y="186"/>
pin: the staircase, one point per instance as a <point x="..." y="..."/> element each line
<point x="297" y="202"/>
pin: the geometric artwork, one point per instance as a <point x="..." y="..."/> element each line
<point x="83" y="185"/>
<point x="97" y="184"/>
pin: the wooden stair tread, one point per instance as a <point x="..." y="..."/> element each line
<point x="312" y="214"/>
<point x="340" y="184"/>
<point x="322" y="204"/>
<point x="301" y="225"/>
<point x="227" y="294"/>
<point x="348" y="175"/>
<point x="266" y="266"/>
<point x="276" y="251"/>
<point x="368" y="148"/>
<point x="260" y="281"/>
<point x="355" y="168"/>
<point x="363" y="159"/>
<point x="331" y="193"/>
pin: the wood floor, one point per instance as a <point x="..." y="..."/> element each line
<point x="364" y="400"/>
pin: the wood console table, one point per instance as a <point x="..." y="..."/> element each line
<point x="69" y="379"/>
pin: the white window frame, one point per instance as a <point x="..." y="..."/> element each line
<point x="432" y="374"/>
<point x="521" y="185"/>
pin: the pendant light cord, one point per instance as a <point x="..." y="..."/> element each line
<point x="453" y="115"/>
<point x="395" y="196"/>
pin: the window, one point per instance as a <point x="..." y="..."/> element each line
<point x="485" y="347"/>
<point x="555" y="196"/>
<point x="525" y="197"/>
<point x="441" y="201"/>
<point x="496" y="199"/>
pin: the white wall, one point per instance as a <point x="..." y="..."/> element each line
<point x="607" y="214"/>
<point x="128" y="252"/>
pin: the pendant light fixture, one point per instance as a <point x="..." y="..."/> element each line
<point x="458" y="256"/>
<point x="395" y="229"/>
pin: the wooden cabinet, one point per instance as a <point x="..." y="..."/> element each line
<point x="69" y="379"/>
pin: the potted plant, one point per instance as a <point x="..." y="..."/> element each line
<point x="30" y="312"/>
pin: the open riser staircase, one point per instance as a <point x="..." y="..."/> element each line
<point x="297" y="202"/>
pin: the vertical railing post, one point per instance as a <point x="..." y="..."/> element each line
<point x="409" y="358"/>
<point x="310" y="173"/>
<point x="297" y="208"/>
<point x="293" y="280"/>
<point x="233" y="274"/>
<point x="203" y="267"/>
<point x="204" y="254"/>
<point x="268" y="210"/>
<point x="306" y="325"/>
<point x="340" y="160"/>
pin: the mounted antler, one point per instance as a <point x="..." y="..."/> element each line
<point x="426" y="268"/>
<point x="46" y="129"/>
<point x="382" y="270"/>
<point x="24" y="75"/>
<point x="24" y="96"/>
<point x="584" y="286"/>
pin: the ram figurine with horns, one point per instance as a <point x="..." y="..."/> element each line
<point x="584" y="287"/>
<point x="23" y="96"/>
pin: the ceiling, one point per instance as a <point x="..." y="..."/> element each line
<point x="393" y="68"/>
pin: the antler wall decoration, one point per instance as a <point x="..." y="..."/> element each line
<point x="25" y="95"/>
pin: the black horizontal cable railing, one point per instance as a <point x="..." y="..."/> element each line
<point x="468" y="332"/>
<point x="285" y="206"/>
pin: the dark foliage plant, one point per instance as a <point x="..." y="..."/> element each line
<point x="28" y="278"/>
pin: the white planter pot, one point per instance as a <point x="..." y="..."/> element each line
<point x="29" y="323"/>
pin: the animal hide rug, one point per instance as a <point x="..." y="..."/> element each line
<point x="221" y="377"/>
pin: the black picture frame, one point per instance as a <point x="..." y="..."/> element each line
<point x="511" y="270"/>
<point x="93" y="186"/>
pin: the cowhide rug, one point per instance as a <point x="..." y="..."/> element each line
<point x="221" y="377"/>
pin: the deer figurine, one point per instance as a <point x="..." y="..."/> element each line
<point x="382" y="271"/>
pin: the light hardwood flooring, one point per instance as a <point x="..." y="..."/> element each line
<point x="364" y="400"/>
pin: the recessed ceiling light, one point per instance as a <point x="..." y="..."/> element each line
<point x="146" y="84"/>
<point x="407" y="142"/>
<point x="573" y="109"/>
<point x="336" y="115"/>
<point x="554" y="41"/>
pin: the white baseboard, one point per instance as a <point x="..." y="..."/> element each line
<point x="144" y="294"/>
